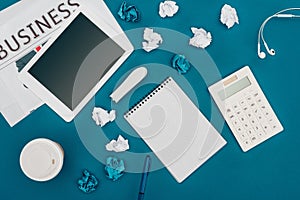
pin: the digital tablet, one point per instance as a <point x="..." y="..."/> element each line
<point x="76" y="62"/>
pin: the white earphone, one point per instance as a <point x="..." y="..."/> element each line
<point x="260" y="37"/>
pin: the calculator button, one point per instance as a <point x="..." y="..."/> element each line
<point x="253" y="121"/>
<point x="250" y="132"/>
<point x="247" y="142"/>
<point x="243" y="103"/>
<point x="260" y="117"/>
<point x="257" y="128"/>
<point x="242" y="118"/>
<point x="228" y="110"/>
<point x="263" y="107"/>
<point x="246" y="125"/>
<point x="231" y="116"/>
<point x="253" y="138"/>
<point x="235" y="106"/>
<point x="267" y="128"/>
<point x="240" y="130"/>
<point x="259" y="100"/>
<point x="255" y="94"/>
<point x="260" y="134"/>
<point x="274" y="126"/>
<point x="249" y="99"/>
<point x="250" y="114"/>
<point x="239" y="112"/>
<point x="255" y="110"/>
<point x="236" y="122"/>
<point x="271" y="120"/>
<point x="253" y="105"/>
<point x="268" y="114"/>
<point x="243" y="136"/>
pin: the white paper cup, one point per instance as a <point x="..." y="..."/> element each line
<point x="41" y="159"/>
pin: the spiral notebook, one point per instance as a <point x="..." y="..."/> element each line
<point x="175" y="130"/>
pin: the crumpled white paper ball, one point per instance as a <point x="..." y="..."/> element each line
<point x="168" y="9"/>
<point x="102" y="116"/>
<point x="152" y="40"/>
<point x="201" y="39"/>
<point x="229" y="16"/>
<point x="118" y="146"/>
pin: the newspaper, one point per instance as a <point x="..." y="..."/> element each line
<point x="35" y="21"/>
<point x="24" y="26"/>
<point x="16" y="101"/>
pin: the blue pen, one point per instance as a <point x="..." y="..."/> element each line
<point x="146" y="170"/>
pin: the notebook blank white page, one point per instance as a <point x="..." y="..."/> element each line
<point x="175" y="130"/>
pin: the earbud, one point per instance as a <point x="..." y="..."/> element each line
<point x="262" y="55"/>
<point x="272" y="52"/>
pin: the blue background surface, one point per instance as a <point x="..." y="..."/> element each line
<point x="269" y="171"/>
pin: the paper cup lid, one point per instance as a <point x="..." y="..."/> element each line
<point x="41" y="159"/>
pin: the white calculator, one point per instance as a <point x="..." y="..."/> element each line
<point x="245" y="108"/>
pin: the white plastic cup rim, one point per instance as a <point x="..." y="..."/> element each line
<point x="41" y="159"/>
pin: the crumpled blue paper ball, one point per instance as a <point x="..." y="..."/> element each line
<point x="114" y="168"/>
<point x="88" y="182"/>
<point x="129" y="13"/>
<point x="180" y="63"/>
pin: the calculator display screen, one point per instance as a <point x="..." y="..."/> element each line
<point x="234" y="88"/>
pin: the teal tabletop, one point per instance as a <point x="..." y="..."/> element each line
<point x="269" y="171"/>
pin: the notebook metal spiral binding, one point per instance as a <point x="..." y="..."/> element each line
<point x="147" y="97"/>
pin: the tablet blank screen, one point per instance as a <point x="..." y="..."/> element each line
<point x="64" y="70"/>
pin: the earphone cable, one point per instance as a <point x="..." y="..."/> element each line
<point x="261" y="29"/>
